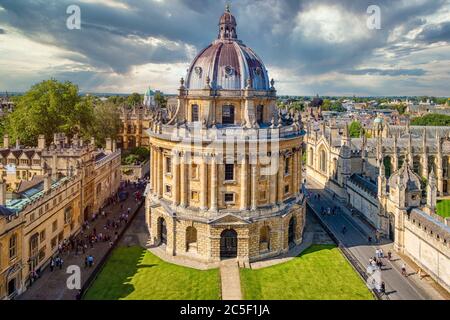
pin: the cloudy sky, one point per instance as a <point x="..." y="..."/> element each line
<point x="308" y="46"/>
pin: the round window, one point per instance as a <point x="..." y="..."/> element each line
<point x="229" y="70"/>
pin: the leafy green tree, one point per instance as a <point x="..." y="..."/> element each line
<point x="432" y="119"/>
<point x="355" y="129"/>
<point x="118" y="100"/>
<point x="106" y="121"/>
<point x="160" y="100"/>
<point x="134" y="99"/>
<point x="47" y="108"/>
<point x="297" y="106"/>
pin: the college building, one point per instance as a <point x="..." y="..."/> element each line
<point x="226" y="169"/>
<point x="46" y="193"/>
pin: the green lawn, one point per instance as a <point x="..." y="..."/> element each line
<point x="443" y="208"/>
<point x="319" y="273"/>
<point x="134" y="273"/>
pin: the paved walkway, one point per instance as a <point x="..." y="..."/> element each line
<point x="230" y="279"/>
<point x="52" y="285"/>
<point x="355" y="240"/>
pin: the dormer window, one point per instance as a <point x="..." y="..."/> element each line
<point x="198" y="71"/>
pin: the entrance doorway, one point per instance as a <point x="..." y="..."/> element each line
<point x="228" y="244"/>
<point x="86" y="213"/>
<point x="11" y="286"/>
<point x="391" y="227"/>
<point x="291" y="232"/>
<point x="162" y="231"/>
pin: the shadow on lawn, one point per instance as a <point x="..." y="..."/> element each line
<point x="113" y="282"/>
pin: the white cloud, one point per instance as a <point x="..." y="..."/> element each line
<point x="330" y="23"/>
<point x="110" y="3"/>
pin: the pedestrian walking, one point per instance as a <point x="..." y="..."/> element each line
<point x="404" y="270"/>
<point x="383" y="288"/>
<point x="52" y="264"/>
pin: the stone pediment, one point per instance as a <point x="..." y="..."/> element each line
<point x="229" y="219"/>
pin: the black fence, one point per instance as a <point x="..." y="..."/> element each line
<point x="348" y="255"/>
<point x="100" y="264"/>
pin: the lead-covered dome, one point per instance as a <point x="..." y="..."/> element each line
<point x="227" y="64"/>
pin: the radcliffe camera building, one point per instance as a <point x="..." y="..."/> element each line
<point x="226" y="164"/>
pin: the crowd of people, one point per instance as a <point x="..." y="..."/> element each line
<point x="89" y="235"/>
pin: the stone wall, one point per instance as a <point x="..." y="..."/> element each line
<point x="432" y="254"/>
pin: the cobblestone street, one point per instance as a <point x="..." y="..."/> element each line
<point x="52" y="285"/>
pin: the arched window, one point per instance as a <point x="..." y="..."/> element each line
<point x="13" y="246"/>
<point x="191" y="239"/>
<point x="194" y="113"/>
<point x="417" y="167"/>
<point x="335" y="168"/>
<point x="227" y="115"/>
<point x="311" y="156"/>
<point x="431" y="164"/>
<point x="264" y="239"/>
<point x="445" y="166"/>
<point x="401" y="160"/>
<point x="387" y="166"/>
<point x="323" y="161"/>
<point x="260" y="114"/>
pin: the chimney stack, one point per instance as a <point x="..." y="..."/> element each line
<point x="109" y="147"/>
<point x="93" y="141"/>
<point x="5" y="141"/>
<point x="2" y="193"/>
<point x="41" y="141"/>
<point x="17" y="143"/>
<point x="47" y="182"/>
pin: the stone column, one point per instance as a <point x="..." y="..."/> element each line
<point x="204" y="184"/>
<point x="175" y="179"/>
<point x="295" y="173"/>
<point x="155" y="171"/>
<point x="244" y="183"/>
<point x="273" y="184"/>
<point x="213" y="184"/>
<point x="183" y="183"/>
<point x="254" y="186"/>
<point x="280" y="193"/>
<point x="160" y="173"/>
<point x="152" y="177"/>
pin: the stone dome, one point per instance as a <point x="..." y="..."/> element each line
<point x="227" y="64"/>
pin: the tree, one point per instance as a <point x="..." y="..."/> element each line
<point x="106" y="122"/>
<point x="332" y="106"/>
<point x="160" y="100"/>
<point x="355" y="129"/>
<point x="47" y="108"/>
<point x="432" y="119"/>
<point x="134" y="99"/>
<point x="118" y="100"/>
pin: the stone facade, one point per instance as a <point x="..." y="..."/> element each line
<point x="225" y="165"/>
<point x="47" y="209"/>
<point x="382" y="177"/>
